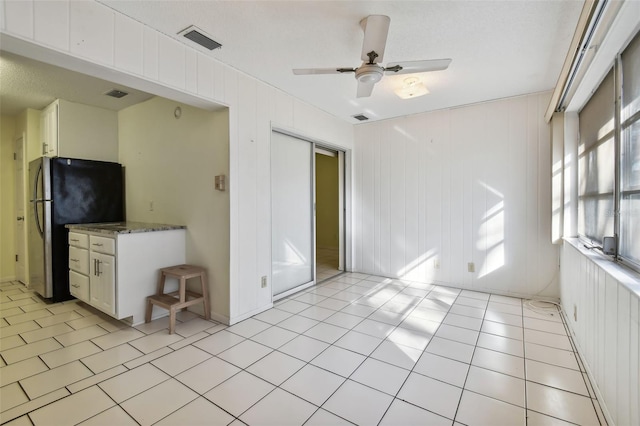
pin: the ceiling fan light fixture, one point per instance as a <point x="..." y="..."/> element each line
<point x="412" y="88"/>
<point x="369" y="73"/>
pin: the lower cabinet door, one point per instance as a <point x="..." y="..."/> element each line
<point x="79" y="286"/>
<point x="102" y="282"/>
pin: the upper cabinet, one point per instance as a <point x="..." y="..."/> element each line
<point x="69" y="129"/>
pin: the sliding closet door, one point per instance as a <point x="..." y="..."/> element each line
<point x="292" y="217"/>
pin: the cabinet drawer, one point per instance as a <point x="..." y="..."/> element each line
<point x="79" y="286"/>
<point x="79" y="260"/>
<point x="103" y="245"/>
<point x="78" y="240"/>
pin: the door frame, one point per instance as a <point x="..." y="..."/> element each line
<point x="344" y="170"/>
<point x="19" y="144"/>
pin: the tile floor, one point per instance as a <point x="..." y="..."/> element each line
<point x="357" y="349"/>
<point x="327" y="263"/>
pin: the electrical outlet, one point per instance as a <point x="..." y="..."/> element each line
<point x="263" y="281"/>
<point x="471" y="267"/>
<point x="575" y="312"/>
<point x="436" y="263"/>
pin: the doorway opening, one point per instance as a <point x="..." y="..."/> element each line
<point x="329" y="193"/>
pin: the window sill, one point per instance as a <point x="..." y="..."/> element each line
<point x="624" y="275"/>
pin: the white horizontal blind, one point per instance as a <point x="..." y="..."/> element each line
<point x="291" y="213"/>
<point x="630" y="161"/>
<point x="596" y="164"/>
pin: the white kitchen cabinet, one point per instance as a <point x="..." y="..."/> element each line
<point x="102" y="282"/>
<point x="123" y="263"/>
<point x="74" y="130"/>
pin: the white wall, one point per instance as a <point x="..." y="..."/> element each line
<point x="88" y="37"/>
<point x="438" y="190"/>
<point x="605" y="328"/>
<point x="172" y="163"/>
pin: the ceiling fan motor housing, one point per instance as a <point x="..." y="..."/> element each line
<point x="369" y="73"/>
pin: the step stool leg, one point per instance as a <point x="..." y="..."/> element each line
<point x="172" y="320"/>
<point x="147" y="315"/>
<point x="160" y="287"/>
<point x="205" y="295"/>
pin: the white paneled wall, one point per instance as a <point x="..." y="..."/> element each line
<point x="434" y="192"/>
<point x="605" y="329"/>
<point x="93" y="38"/>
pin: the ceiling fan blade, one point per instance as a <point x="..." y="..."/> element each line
<point x="412" y="67"/>
<point x="364" y="89"/>
<point x="312" y="71"/>
<point x="376" y="28"/>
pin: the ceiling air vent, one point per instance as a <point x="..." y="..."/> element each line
<point x="115" y="93"/>
<point x="361" y="117"/>
<point x="198" y="36"/>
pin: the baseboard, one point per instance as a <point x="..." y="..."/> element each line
<point x="7" y="279"/>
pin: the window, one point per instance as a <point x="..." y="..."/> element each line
<point x="609" y="159"/>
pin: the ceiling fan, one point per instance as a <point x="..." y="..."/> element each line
<point x="376" y="28"/>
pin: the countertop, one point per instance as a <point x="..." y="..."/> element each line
<point x="123" y="227"/>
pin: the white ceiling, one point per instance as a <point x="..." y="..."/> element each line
<point x="499" y="48"/>
<point x="27" y="83"/>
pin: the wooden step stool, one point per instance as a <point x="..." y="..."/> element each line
<point x="182" y="298"/>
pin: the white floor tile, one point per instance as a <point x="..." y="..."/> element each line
<point x="503" y="318"/>
<point x="73" y="409"/>
<point x="198" y="412"/>
<point x="501" y="329"/>
<point x="463" y="321"/>
<point x="387" y="317"/>
<point x="374" y="328"/>
<point x="471" y="301"/>
<point x="112" y="416"/>
<point x="557" y="377"/>
<point x="276" y="367"/>
<point x="43" y="333"/>
<point x="412" y="322"/>
<point x="412" y="338"/>
<point x="543" y="325"/>
<point x="339" y="361"/>
<point x="304" y="348"/>
<point x="207" y="375"/>
<point x="155" y="341"/>
<point x="313" y="384"/>
<point x="501" y="344"/>
<point x="358" y="342"/>
<point x="166" y="398"/>
<point x="561" y="404"/>
<point x="325" y="418"/>
<point x="481" y="410"/>
<point x="317" y="313"/>
<point x="359" y="310"/>
<point x="21" y="369"/>
<point x="62" y="356"/>
<point x="219" y="342"/>
<point x="429" y="314"/>
<point x="30" y="350"/>
<point x="333" y="304"/>
<point x="12" y="330"/>
<point x="239" y="393"/>
<point x="248" y="327"/>
<point x="504" y="307"/>
<point x="436" y="302"/>
<point x="15" y="341"/>
<point x="547" y="339"/>
<point x="12" y="395"/>
<point x="379" y="375"/>
<point x="297" y="324"/>
<point x="273" y="316"/>
<point x="403" y="413"/>
<point x="194" y="326"/>
<point x="293" y="306"/>
<point x="56" y="319"/>
<point x="475" y="295"/>
<point x="553" y="356"/>
<point x="96" y="378"/>
<point x="110" y="358"/>
<point x="500" y="362"/>
<point x="181" y="360"/>
<point x="458" y="334"/>
<point x="443" y="369"/>
<point x="467" y="311"/>
<point x="274" y="337"/>
<point x="450" y="349"/>
<point x="279" y="408"/>
<point x="245" y="353"/>
<point x="506" y="299"/>
<point x="326" y="332"/>
<point x="433" y="395"/>
<point x="56" y="378"/>
<point x="133" y="382"/>
<point x="344" y="320"/>
<point x="538" y="419"/>
<point x="358" y="404"/>
<point x="496" y="385"/>
<point x="398" y="355"/>
<point x="77" y="336"/>
<point x="111" y="340"/>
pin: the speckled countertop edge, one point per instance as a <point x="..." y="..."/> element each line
<point x="123" y="227"/>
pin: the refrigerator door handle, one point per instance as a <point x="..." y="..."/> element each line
<point x="35" y="200"/>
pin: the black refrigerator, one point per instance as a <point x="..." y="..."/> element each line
<point x="64" y="191"/>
